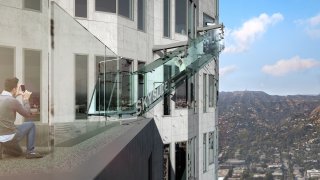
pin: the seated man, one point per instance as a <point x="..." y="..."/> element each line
<point x="10" y="135"/>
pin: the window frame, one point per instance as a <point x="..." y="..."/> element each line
<point x="211" y="93"/>
<point x="205" y="93"/>
<point x="185" y="16"/>
<point x="87" y="11"/>
<point x="75" y="80"/>
<point x="169" y="19"/>
<point x="116" y="8"/>
<point x="212" y="135"/>
<point x="131" y="14"/>
<point x="144" y="17"/>
<point x="24" y="50"/>
<point x="30" y="9"/>
<point x="204" y="150"/>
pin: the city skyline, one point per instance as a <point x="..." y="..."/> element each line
<point x="271" y="46"/>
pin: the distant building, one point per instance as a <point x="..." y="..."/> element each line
<point x="313" y="173"/>
<point x="259" y="176"/>
<point x="223" y="173"/>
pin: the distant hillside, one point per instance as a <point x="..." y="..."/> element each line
<point x="257" y="105"/>
<point x="254" y="119"/>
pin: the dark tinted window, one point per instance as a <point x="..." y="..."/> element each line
<point x="106" y="5"/>
<point x="32" y="4"/>
<point x="81" y="8"/>
<point x="32" y="71"/>
<point x="141" y="15"/>
<point x="181" y="16"/>
<point x="166" y="18"/>
<point x="125" y="8"/>
<point x="81" y="87"/>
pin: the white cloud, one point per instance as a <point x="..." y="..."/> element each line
<point x="312" y="26"/>
<point x="314" y="21"/>
<point x="227" y="70"/>
<point x="285" y="66"/>
<point x="240" y="39"/>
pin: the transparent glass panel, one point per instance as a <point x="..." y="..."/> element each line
<point x="81" y="8"/>
<point x="72" y="82"/>
<point x="125" y="8"/>
<point x="32" y="4"/>
<point x="181" y="16"/>
<point x="107" y="86"/>
<point x="184" y="62"/>
<point x="6" y="64"/>
<point x="81" y="79"/>
<point x="141" y="15"/>
<point x="106" y="5"/>
<point x="32" y="70"/>
<point x="166" y="18"/>
<point x="211" y="90"/>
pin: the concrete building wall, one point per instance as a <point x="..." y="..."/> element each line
<point x="18" y="27"/>
<point x="142" y="157"/>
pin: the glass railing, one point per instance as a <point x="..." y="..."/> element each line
<point x="78" y="60"/>
<point x="59" y="60"/>
<point x="182" y="63"/>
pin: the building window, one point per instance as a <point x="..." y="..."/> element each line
<point x="141" y="15"/>
<point x="6" y="65"/>
<point x="191" y="92"/>
<point x="32" y="69"/>
<point x="80" y="8"/>
<point x="125" y="8"/>
<point x="32" y="4"/>
<point x="181" y="95"/>
<point x="166" y="100"/>
<point x="204" y="92"/>
<point x="126" y="84"/>
<point x="141" y="90"/>
<point x="106" y="5"/>
<point x="211" y="90"/>
<point x="207" y="20"/>
<point x="106" y="86"/>
<point x="181" y="16"/>
<point x="211" y="147"/>
<point x="191" y="19"/>
<point x="204" y="152"/>
<point x="81" y="86"/>
<point x="166" y="18"/>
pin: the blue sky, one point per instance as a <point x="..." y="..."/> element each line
<point x="271" y="46"/>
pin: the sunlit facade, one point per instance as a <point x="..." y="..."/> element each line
<point x="121" y="60"/>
